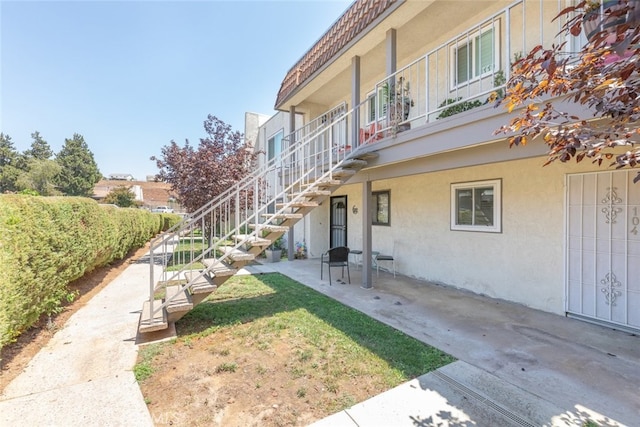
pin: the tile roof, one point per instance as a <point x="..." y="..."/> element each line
<point x="352" y="22"/>
<point x="153" y="193"/>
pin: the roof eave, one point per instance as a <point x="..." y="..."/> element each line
<point x="314" y="67"/>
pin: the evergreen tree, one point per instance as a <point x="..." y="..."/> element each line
<point x="40" y="148"/>
<point x="79" y="171"/>
<point x="40" y="177"/>
<point x="10" y="161"/>
<point x="121" y="196"/>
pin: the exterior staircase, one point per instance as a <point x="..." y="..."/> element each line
<point x="198" y="255"/>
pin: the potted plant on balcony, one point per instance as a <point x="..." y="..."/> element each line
<point x="274" y="251"/>
<point x="457" y="107"/>
<point x="398" y="99"/>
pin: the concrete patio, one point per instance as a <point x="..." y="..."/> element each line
<point x="517" y="366"/>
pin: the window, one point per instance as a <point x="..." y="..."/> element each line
<point x="274" y="145"/>
<point x="376" y="106"/>
<point x="476" y="206"/>
<point x="380" y="207"/>
<point x="476" y="55"/>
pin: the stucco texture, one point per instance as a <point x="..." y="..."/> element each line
<point x="524" y="263"/>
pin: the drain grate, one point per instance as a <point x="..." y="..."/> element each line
<point x="487" y="402"/>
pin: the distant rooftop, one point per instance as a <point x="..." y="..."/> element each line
<point x="121" y="176"/>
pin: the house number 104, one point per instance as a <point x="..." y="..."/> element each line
<point x="635" y="221"/>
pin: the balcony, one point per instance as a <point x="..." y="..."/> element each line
<point x="461" y="72"/>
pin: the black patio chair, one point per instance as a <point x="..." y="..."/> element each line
<point x="335" y="257"/>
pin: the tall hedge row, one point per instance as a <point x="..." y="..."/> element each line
<point x="47" y="242"/>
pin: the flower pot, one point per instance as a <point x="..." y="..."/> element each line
<point x="273" y="255"/>
<point x="399" y="113"/>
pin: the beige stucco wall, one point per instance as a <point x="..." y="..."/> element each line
<point x="524" y="263"/>
<point x="271" y="126"/>
<point x="318" y="232"/>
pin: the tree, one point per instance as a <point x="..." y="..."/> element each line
<point x="604" y="77"/>
<point x="10" y="164"/>
<point x="40" y="176"/>
<point x="79" y="171"/>
<point x="199" y="174"/>
<point x="121" y="196"/>
<point x="40" y="149"/>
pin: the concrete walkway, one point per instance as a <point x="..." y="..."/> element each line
<point x="83" y="376"/>
<point x="516" y="366"/>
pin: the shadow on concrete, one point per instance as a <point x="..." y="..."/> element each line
<point x="443" y="418"/>
<point x="159" y="259"/>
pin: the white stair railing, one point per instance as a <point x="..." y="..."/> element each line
<point x="251" y="209"/>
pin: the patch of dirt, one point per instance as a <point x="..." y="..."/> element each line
<point x="16" y="356"/>
<point x="226" y="379"/>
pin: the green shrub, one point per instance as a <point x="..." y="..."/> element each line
<point x="168" y="220"/>
<point x="47" y="242"/>
<point x="457" y="108"/>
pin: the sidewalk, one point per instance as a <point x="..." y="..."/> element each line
<point x="84" y="376"/>
<point x="517" y="367"/>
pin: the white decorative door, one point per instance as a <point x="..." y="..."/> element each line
<point x="603" y="247"/>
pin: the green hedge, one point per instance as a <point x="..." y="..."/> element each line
<point x="47" y="242"/>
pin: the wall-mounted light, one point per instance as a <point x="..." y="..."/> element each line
<point x="354" y="209"/>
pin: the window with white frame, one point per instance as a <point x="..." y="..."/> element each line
<point x="476" y="55"/>
<point x="376" y="106"/>
<point x="476" y="206"/>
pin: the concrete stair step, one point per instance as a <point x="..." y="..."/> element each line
<point x="298" y="204"/>
<point x="325" y="183"/>
<point x="203" y="284"/>
<point x="304" y="211"/>
<point x="149" y="323"/>
<point x="344" y="174"/>
<point x="312" y="193"/>
<point x="354" y="164"/>
<point x="272" y="228"/>
<point x="217" y="268"/>
<point x="371" y="155"/>
<point x="178" y="299"/>
<point x="179" y="302"/>
<point x="202" y="287"/>
<point x="252" y="240"/>
<point x="235" y="254"/>
<point x="284" y="216"/>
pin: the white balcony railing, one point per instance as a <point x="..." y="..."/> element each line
<point x="466" y="71"/>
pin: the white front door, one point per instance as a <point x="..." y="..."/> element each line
<point x="603" y="247"/>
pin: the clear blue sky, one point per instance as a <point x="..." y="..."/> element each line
<point x="131" y="76"/>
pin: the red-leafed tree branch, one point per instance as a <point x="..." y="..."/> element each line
<point x="198" y="174"/>
<point x="603" y="76"/>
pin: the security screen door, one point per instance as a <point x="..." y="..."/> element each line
<point x="338" y="222"/>
<point x="603" y="247"/>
